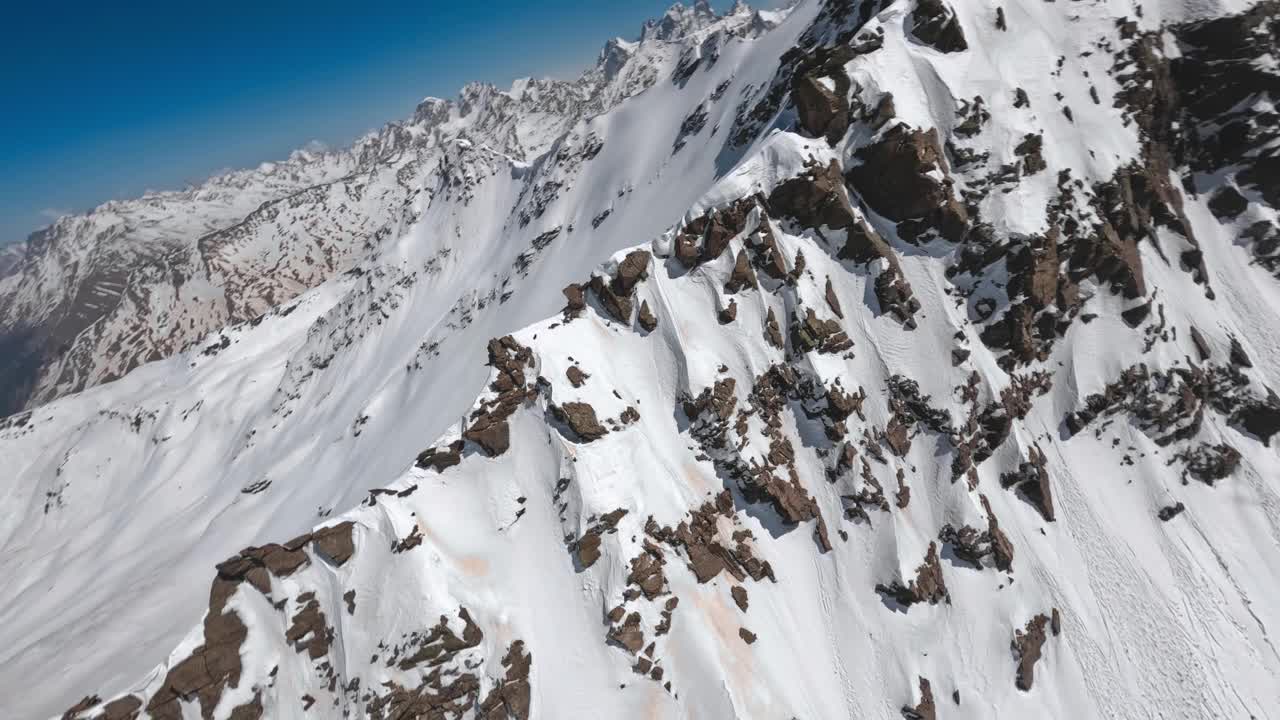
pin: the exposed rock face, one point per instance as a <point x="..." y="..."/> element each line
<point x="928" y="585"/>
<point x="707" y="236"/>
<point x="935" y="24"/>
<point x="648" y="321"/>
<point x="1220" y="80"/>
<point x="440" y="459"/>
<point x="818" y="199"/>
<point x="824" y="336"/>
<point x="973" y="546"/>
<point x="1030" y="150"/>
<point x="489" y="429"/>
<point x="335" y="542"/>
<point x="743" y="276"/>
<point x="1211" y="463"/>
<point x="897" y="177"/>
<point x="823" y="112"/>
<point x="1170" y="406"/>
<point x="1032" y="481"/>
<point x="925" y="709"/>
<point x="1027" y="648"/>
<point x="815" y="199"/>
<point x="729" y="313"/>
<point x="581" y="419"/>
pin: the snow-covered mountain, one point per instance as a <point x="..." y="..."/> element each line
<point x="135" y="281"/>
<point x="870" y="358"/>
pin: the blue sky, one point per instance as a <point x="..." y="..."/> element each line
<point x="105" y="100"/>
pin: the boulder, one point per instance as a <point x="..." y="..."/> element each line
<point x="935" y="24"/>
<point x="897" y="177"/>
<point x="821" y="111"/>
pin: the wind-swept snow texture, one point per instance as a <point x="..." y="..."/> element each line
<point x="883" y="359"/>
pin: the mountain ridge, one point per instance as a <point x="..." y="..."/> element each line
<point x="170" y="261"/>
<point x="904" y="387"/>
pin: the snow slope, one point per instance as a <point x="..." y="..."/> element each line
<point x="839" y="417"/>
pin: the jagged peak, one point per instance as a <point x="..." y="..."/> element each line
<point x="679" y="21"/>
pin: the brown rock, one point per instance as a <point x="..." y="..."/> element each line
<point x="589" y="549"/>
<point x="125" y="708"/>
<point x="772" y="332"/>
<point x="577" y="298"/>
<point x="494" y="435"/>
<point x="439" y="459"/>
<point x="1033" y="271"/>
<point x="1032" y="480"/>
<point x="633" y="268"/>
<point x="1202" y="346"/>
<point x="646" y="317"/>
<point x="334" y="542"/>
<point x="576" y="376"/>
<point x="739" y="594"/>
<point x="730" y="313"/>
<point x="629" y="635"/>
<point x="833" y="302"/>
<point x="581" y="418"/>
<point x="1030" y="150"/>
<point x="816" y="198"/>
<point x="747" y="636"/>
<point x="935" y="24"/>
<point x="896" y="177"/>
<point x="897" y="437"/>
<point x="646" y="573"/>
<point x="822" y="112"/>
<point x="1237" y="355"/>
<point x="928" y="586"/>
<point x="1027" y="647"/>
<point x="742" y="276"/>
<point x="925" y="709"/>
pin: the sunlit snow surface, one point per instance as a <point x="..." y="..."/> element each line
<point x="122" y="499"/>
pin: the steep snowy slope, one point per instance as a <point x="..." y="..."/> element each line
<point x="928" y="375"/>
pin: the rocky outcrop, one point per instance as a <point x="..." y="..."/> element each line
<point x="581" y="419"/>
<point x="707" y="236"/>
<point x="1170" y="405"/>
<point x="1031" y="480"/>
<point x="972" y="546"/>
<point x="925" y="709"/>
<point x="510" y="387"/>
<point x="815" y="199"/>
<point x="440" y="459"/>
<point x="810" y="334"/>
<point x="1028" y="646"/>
<point x="935" y="24"/>
<point x="616" y="294"/>
<point x="927" y="586"/>
<point x="898" y="176"/>
<point x="648" y="321"/>
<point x="1210" y="463"/>
<point x="823" y="111"/>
